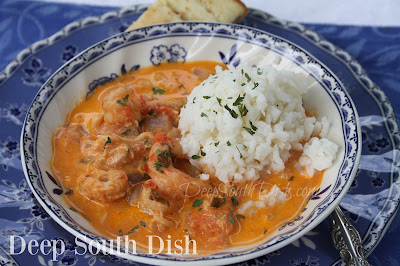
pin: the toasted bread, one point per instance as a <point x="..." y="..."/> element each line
<point x="162" y="11"/>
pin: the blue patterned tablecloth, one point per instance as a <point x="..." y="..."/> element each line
<point x="25" y="22"/>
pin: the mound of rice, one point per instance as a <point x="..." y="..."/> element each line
<point x="244" y="120"/>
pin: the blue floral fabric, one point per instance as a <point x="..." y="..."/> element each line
<point x="22" y="23"/>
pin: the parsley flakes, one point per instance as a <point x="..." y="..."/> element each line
<point x="121" y="103"/>
<point x="158" y="91"/>
<point x="243" y="110"/>
<point x="234" y="201"/>
<point x="248" y="77"/>
<point x="195" y="157"/>
<point x="249" y="130"/>
<point x="133" y="229"/>
<point x="239" y="99"/>
<point x="252" y="126"/>
<point x="158" y="166"/>
<point x="107" y="142"/>
<point x="255" y="85"/>
<point x="197" y="202"/>
<point x="232" y="112"/>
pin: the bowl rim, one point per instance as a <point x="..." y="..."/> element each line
<point x="249" y="254"/>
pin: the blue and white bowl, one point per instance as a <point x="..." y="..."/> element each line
<point x="182" y="42"/>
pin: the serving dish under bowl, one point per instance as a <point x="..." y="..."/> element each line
<point x="188" y="41"/>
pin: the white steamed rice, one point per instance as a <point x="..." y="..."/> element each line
<point x="232" y="144"/>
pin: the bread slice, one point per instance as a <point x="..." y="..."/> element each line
<point x="162" y="11"/>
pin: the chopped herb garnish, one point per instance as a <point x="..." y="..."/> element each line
<point x="243" y="110"/>
<point x="243" y="84"/>
<point x="248" y="77"/>
<point x="215" y="111"/>
<point x="197" y="202"/>
<point x="203" y="115"/>
<point x="259" y="72"/>
<point x="219" y="101"/>
<point x="153" y="112"/>
<point x="200" y="209"/>
<point x="224" y="197"/>
<point x="202" y="153"/>
<point x="216" y="144"/>
<point x="229" y="98"/>
<point x="232" y="112"/>
<point x="158" y="166"/>
<point x="242" y="71"/>
<point x="151" y="197"/>
<point x="244" y="146"/>
<point x="166" y="152"/>
<point x="241" y="156"/>
<point x="194" y="99"/>
<point x="126" y="98"/>
<point x="158" y="151"/>
<point x="255" y="85"/>
<point x="239" y="99"/>
<point x="120" y="232"/>
<point x="252" y="126"/>
<point x="121" y="103"/>
<point x="144" y="160"/>
<point x="127" y="150"/>
<point x="262" y="190"/>
<point x="184" y="106"/>
<point x="126" y="132"/>
<point x="206" y="97"/>
<point x="195" y="157"/>
<point x="133" y="229"/>
<point x="234" y="201"/>
<point x="251" y="132"/>
<point x="142" y="223"/>
<point x="158" y="91"/>
<point x="230" y="218"/>
<point x="234" y="80"/>
<point x="107" y="142"/>
<point x="228" y="143"/>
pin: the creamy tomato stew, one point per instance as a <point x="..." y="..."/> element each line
<point x="122" y="168"/>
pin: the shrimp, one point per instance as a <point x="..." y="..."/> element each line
<point x="119" y="107"/>
<point x="115" y="151"/>
<point x="71" y="133"/>
<point x="104" y="186"/>
<point x="212" y="226"/>
<point x="171" y="182"/>
<point x="155" y="202"/>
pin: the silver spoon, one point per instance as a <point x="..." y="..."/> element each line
<point x="346" y="239"/>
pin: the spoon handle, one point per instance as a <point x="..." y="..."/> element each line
<point x="346" y="239"/>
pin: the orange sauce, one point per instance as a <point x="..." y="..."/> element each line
<point x="118" y="217"/>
